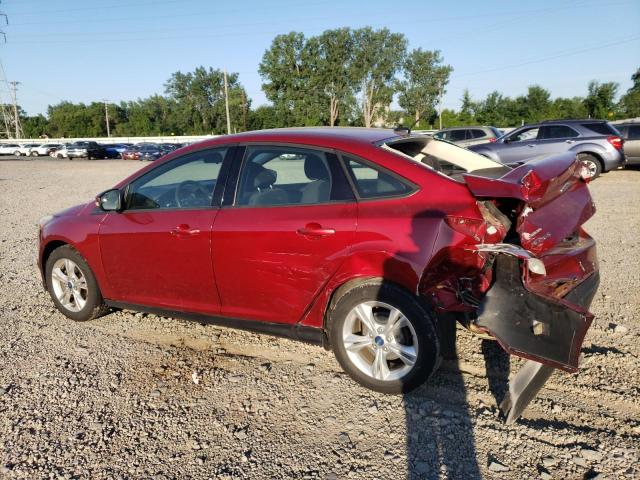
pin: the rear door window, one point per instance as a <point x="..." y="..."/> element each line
<point x="476" y="133"/>
<point x="550" y="132"/>
<point x="279" y="175"/>
<point x="457" y="135"/>
<point x="634" y="132"/>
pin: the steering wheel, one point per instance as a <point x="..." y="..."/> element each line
<point x="191" y="194"/>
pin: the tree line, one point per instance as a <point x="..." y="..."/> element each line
<point x="346" y="77"/>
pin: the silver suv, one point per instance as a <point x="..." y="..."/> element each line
<point x="595" y="142"/>
<point x="467" y="136"/>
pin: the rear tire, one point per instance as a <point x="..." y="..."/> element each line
<point x="594" y="167"/>
<point x="17" y="153"/>
<point x="72" y="285"/>
<point x="34" y="154"/>
<point x="383" y="337"/>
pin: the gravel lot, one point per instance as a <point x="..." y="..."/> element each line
<point x="115" y="397"/>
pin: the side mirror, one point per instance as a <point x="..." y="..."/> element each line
<point x="110" y="201"/>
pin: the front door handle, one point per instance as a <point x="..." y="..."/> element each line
<point x="315" y="230"/>
<point x="570" y="141"/>
<point x="530" y="145"/>
<point x="183" y="230"/>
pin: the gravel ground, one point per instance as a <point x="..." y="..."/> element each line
<point x="116" y="397"/>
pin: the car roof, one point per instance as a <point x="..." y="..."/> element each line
<point x="312" y="135"/>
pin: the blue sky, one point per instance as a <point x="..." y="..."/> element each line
<point x="84" y="50"/>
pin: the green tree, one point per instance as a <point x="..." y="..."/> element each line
<point x="600" y="100"/>
<point x="535" y="106"/>
<point x="285" y="69"/>
<point x="333" y="72"/>
<point x="467" y="110"/>
<point x="378" y="57"/>
<point x="424" y="78"/>
<point x="199" y="96"/>
<point x="568" y="108"/>
<point x="497" y="110"/>
<point x="630" y="101"/>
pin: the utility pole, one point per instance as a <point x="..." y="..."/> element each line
<point x="16" y="117"/>
<point x="226" y="102"/>
<point x="106" y="116"/>
<point x="440" y="107"/>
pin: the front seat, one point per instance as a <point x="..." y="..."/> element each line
<point x="319" y="189"/>
<point x="265" y="193"/>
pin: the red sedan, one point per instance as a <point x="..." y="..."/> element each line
<point x="361" y="240"/>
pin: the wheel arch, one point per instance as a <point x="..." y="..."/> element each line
<point x="596" y="155"/>
<point x="48" y="249"/>
<point x="352" y="283"/>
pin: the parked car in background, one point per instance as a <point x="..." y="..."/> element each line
<point x="60" y="152"/>
<point x="596" y="142"/>
<point x="89" y="150"/>
<point x="131" y="153"/>
<point x="25" y="149"/>
<point x="467" y="136"/>
<point x="44" y="149"/>
<point x="631" y="134"/>
<point x="115" y="150"/>
<point x="168" y="147"/>
<point x="355" y="239"/>
<point x="9" y="148"/>
<point x="150" y="151"/>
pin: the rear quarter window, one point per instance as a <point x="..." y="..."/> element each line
<point x="600" y="128"/>
<point x="477" y="133"/>
<point x="373" y="181"/>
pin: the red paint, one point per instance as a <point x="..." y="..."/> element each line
<point x="282" y="263"/>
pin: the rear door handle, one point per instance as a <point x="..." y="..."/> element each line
<point x="530" y="145"/>
<point x="570" y="141"/>
<point x="183" y="230"/>
<point x="315" y="230"/>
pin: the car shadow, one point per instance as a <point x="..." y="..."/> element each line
<point x="439" y="428"/>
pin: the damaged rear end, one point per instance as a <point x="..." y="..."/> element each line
<point x="529" y="270"/>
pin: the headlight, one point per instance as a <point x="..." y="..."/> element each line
<point x="44" y="220"/>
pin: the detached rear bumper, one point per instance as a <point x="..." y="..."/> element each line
<point x="533" y="325"/>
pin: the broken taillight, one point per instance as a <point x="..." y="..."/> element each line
<point x="471" y="227"/>
<point x="615" y="141"/>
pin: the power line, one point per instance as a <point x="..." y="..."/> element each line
<point x="551" y="57"/>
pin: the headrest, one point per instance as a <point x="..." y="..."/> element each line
<point x="265" y="178"/>
<point x="315" y="169"/>
<point x="213" y="157"/>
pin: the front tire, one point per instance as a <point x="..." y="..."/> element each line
<point x="72" y="285"/>
<point x="383" y="337"/>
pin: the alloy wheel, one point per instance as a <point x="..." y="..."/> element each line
<point x="592" y="168"/>
<point x="69" y="284"/>
<point x="380" y="341"/>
